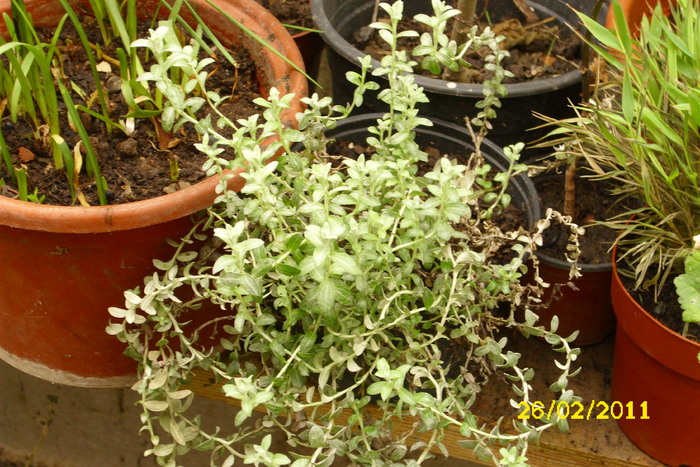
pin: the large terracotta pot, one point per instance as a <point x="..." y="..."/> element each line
<point x="656" y="374"/>
<point x="64" y="266"/>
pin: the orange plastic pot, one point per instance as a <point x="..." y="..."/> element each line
<point x="64" y="266"/>
<point x="635" y="10"/>
<point x="587" y="308"/>
<point x="656" y="380"/>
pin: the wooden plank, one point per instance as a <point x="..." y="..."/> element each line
<point x="204" y="385"/>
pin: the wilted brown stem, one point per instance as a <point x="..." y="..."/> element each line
<point x="570" y="190"/>
<point x="525" y="9"/>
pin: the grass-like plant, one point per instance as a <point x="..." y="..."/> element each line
<point x="642" y="130"/>
<point x="338" y="286"/>
<point x="33" y="82"/>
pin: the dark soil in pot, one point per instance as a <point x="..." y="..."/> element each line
<point x="593" y="203"/>
<point x="454" y="101"/>
<point x="663" y="307"/>
<point x="290" y="12"/>
<point x="136" y="166"/>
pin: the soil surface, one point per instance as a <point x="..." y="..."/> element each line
<point x="136" y="166"/>
<point x="538" y="50"/>
<point x="290" y="12"/>
<point x="664" y="307"/>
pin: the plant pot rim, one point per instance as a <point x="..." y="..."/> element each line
<point x="99" y="219"/>
<point x="364" y="117"/>
<point x="454" y="132"/>
<point x="584" y="267"/>
<point x="541" y="86"/>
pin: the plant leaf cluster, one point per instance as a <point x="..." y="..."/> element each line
<point x="336" y="283"/>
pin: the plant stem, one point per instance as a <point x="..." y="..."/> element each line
<point x="375" y="11"/>
<point x="570" y="189"/>
<point x="460" y="29"/>
<point x="586" y="71"/>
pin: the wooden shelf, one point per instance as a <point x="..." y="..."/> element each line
<point x="588" y="443"/>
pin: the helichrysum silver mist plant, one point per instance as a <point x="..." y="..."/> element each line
<point x="339" y="284"/>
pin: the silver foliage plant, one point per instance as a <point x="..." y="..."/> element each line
<point x="335" y="284"/>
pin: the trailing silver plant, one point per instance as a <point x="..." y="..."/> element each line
<point x="335" y="284"/>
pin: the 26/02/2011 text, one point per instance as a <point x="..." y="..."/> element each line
<point x="594" y="410"/>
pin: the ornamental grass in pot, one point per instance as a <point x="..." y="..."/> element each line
<point x="344" y="282"/>
<point x="642" y="130"/>
<point x="66" y="264"/>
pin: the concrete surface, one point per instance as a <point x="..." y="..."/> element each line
<point x="49" y="425"/>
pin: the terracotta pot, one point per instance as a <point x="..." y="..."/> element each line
<point x="64" y="266"/>
<point x="655" y="370"/>
<point x="656" y="373"/>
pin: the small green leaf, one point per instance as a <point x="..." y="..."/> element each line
<point x="155" y="406"/>
<point x="325" y="295"/>
<point x="343" y="263"/>
<point x="287" y="270"/>
<point x="688" y="288"/>
<point x="249" y="244"/>
<point x="251" y="285"/>
<point x="317" y="437"/>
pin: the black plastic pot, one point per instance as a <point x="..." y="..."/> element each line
<point x="339" y="19"/>
<point x="452" y="139"/>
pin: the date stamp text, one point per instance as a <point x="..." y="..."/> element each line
<point x="593" y="410"/>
